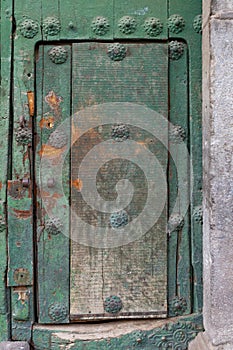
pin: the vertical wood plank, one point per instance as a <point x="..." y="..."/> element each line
<point x="53" y="107"/>
<point x="190" y="11"/>
<point x="20" y="240"/>
<point x="5" y="90"/>
<point x="137" y="272"/>
<point x="20" y="235"/>
<point x="51" y="19"/>
<point x="179" y="240"/>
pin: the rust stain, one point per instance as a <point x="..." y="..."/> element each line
<point x="48" y="195"/>
<point x="77" y="183"/>
<point x="74" y="133"/>
<point x="31" y="105"/>
<point x="22" y="214"/>
<point x="50" y="151"/>
<point x="15" y="189"/>
<point x="54" y="101"/>
<point x="47" y="123"/>
<point x="50" y="200"/>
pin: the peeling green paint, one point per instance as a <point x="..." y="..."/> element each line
<point x="172" y="336"/>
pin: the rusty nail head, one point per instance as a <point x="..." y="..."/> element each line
<point x="26" y="182"/>
<point x="51" y="182"/>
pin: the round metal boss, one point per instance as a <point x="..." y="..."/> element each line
<point x="58" y="54"/>
<point x="127" y="25"/>
<point x="53" y="226"/>
<point x="57" y="312"/>
<point x="117" y="52"/>
<point x="100" y="26"/>
<point x="51" y="26"/>
<point x="153" y="26"/>
<point x="119" y="219"/>
<point x="28" y="28"/>
<point x="176" y="24"/>
<point x="113" y="304"/>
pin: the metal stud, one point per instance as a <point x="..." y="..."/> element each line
<point x="119" y="219"/>
<point x="57" y="312"/>
<point x="197" y="24"/>
<point x="153" y="26"/>
<point x="176" y="50"/>
<point x="177" y="134"/>
<point x="117" y="52"/>
<point x="26" y="182"/>
<point x="100" y="25"/>
<point x="198" y="214"/>
<point x="22" y="276"/>
<point x="178" y="306"/>
<point x="28" y="28"/>
<point x="113" y="304"/>
<point x="127" y="25"/>
<point x="120" y="132"/>
<point x="176" y="24"/>
<point x="53" y="226"/>
<point x="58" y="139"/>
<point x="51" y="182"/>
<point x="51" y="26"/>
<point x="23" y="136"/>
<point x="58" y="54"/>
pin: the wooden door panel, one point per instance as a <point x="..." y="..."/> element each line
<point x="53" y="107"/>
<point x="137" y="272"/>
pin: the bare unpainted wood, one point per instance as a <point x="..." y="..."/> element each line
<point x="136" y="272"/>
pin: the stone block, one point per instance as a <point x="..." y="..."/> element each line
<point x="14" y="345"/>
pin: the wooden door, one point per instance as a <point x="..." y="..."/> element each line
<point x="117" y="106"/>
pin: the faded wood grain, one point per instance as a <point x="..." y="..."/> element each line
<point x="137" y="271"/>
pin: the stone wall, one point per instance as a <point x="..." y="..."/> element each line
<point x="218" y="175"/>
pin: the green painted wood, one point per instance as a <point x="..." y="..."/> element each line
<point x="20" y="208"/>
<point x="135" y="272"/>
<point x="51" y="20"/>
<point x="5" y="88"/>
<point x="140" y="13"/>
<point x="76" y="23"/>
<point x="87" y="19"/>
<point x="179" y="240"/>
<point x="20" y="239"/>
<point x="22" y="303"/>
<point x="175" y="334"/>
<point x="53" y="107"/>
<point x="28" y="32"/>
<point x="189" y="10"/>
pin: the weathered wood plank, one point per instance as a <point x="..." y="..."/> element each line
<point x="53" y="102"/>
<point x="137" y="272"/>
<point x="20" y="204"/>
<point x="140" y="19"/>
<point x="5" y="91"/>
<point x="87" y="20"/>
<point x="144" y="334"/>
<point x="20" y="239"/>
<point x="179" y="240"/>
<point x="191" y="11"/>
<point x="22" y="302"/>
